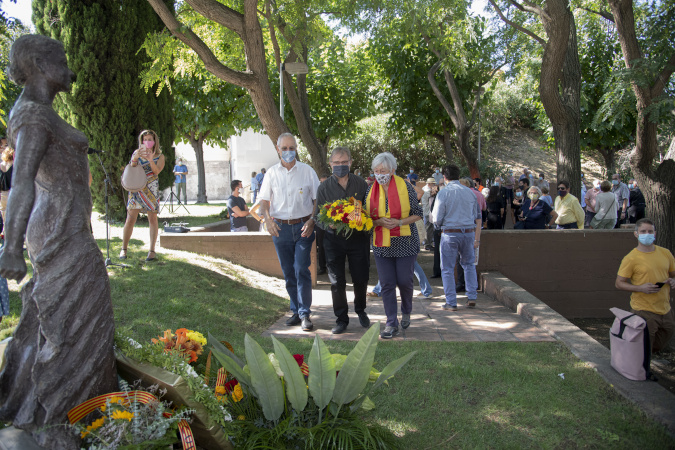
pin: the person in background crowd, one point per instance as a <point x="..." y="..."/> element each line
<point x="338" y="247"/>
<point x="288" y="204"/>
<point x="477" y="185"/>
<point x="468" y="182"/>
<point x="371" y="179"/>
<point x="495" y="209"/>
<point x="320" y="249"/>
<point x="622" y="194"/>
<point x="437" y="233"/>
<point x="516" y="203"/>
<point x="236" y="207"/>
<point x="3" y="143"/>
<point x="428" y="226"/>
<point x="255" y="188"/>
<point x="499" y="182"/>
<point x="584" y="189"/>
<point x="636" y="210"/>
<point x="412" y="177"/>
<point x="259" y="179"/>
<point x="524" y="185"/>
<point x="458" y="215"/>
<point x="180" y="170"/>
<point x="6" y="169"/>
<point x="589" y="199"/>
<point x="438" y="176"/>
<point x="149" y="156"/>
<point x="545" y="197"/>
<point x="568" y="208"/>
<point x="640" y="270"/>
<point x="357" y="172"/>
<point x="605" y="207"/>
<point x="541" y="182"/>
<point x="525" y="175"/>
<point x="509" y="184"/>
<point x="394" y="207"/>
<point x="536" y="213"/>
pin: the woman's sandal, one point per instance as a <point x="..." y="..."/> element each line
<point x="154" y="256"/>
<point x="123" y="253"/>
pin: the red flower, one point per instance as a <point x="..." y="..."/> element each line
<point x="345" y="219"/>
<point x="230" y="385"/>
<point x="299" y="359"/>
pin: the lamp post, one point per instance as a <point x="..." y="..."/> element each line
<point x="294" y="68"/>
<point x="479" y="92"/>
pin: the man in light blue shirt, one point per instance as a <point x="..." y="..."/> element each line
<point x="180" y="171"/>
<point x="457" y="213"/>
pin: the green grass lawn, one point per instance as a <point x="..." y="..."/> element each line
<point x="450" y="395"/>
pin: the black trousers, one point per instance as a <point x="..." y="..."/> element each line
<point x="437" y="253"/>
<point x="321" y="254"/>
<point x="356" y="250"/>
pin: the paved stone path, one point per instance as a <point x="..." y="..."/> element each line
<point x="489" y="321"/>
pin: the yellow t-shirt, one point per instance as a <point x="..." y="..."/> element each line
<point x="650" y="267"/>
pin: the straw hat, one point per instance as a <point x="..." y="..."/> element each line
<point x="431" y="180"/>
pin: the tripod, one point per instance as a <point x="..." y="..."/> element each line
<point x="108" y="261"/>
<point x="170" y="202"/>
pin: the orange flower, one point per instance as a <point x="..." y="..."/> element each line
<point x="220" y="390"/>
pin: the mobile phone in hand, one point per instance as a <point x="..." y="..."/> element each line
<point x="660" y="285"/>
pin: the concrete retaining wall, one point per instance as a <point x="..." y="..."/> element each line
<point x="571" y="271"/>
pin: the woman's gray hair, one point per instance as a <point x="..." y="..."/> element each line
<point x="343" y="150"/>
<point x="385" y="160"/>
<point x="536" y="189"/>
<point x="283" y="135"/>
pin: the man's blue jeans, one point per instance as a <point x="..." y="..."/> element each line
<point x="294" y="253"/>
<point x="425" y="287"/>
<point x="453" y="244"/>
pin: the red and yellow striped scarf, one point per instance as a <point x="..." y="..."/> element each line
<point x="399" y="208"/>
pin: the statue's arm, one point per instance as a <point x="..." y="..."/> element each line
<point x="31" y="145"/>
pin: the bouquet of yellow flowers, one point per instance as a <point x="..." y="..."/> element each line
<point x="345" y="216"/>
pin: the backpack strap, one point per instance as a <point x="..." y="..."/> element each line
<point x="622" y="327"/>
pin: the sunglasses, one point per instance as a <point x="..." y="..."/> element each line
<point x="562" y="188"/>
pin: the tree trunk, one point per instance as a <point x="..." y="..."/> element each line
<point x="464" y="147"/>
<point x="657" y="185"/>
<point x="609" y="155"/>
<point x="560" y="90"/>
<point x="446" y="141"/>
<point x="197" y="144"/>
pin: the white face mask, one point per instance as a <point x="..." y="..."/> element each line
<point x="383" y="178"/>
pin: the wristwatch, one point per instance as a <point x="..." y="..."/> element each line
<point x="400" y="223"/>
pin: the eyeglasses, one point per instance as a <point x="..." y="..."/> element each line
<point x="562" y="188"/>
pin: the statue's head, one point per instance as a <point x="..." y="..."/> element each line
<point x="38" y="56"/>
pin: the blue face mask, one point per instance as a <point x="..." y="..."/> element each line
<point x="412" y="171"/>
<point x="631" y="185"/>
<point x="436" y="170"/>
<point x="646" y="239"/>
<point x="288" y="156"/>
<point x="615" y="182"/>
<point x="495" y="183"/>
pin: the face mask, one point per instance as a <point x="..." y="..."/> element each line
<point x="412" y="171"/>
<point x="436" y="170"/>
<point x="372" y="175"/>
<point x="519" y="194"/>
<point x="288" y="156"/>
<point x="534" y="197"/>
<point x="531" y="176"/>
<point x="521" y="185"/>
<point x="582" y="175"/>
<point x="646" y="239"/>
<point x="149" y="144"/>
<point x="340" y="171"/>
<point x="631" y="185"/>
<point x="495" y="184"/>
<point x="615" y="182"/>
<point x="562" y="193"/>
<point x="541" y="178"/>
<point x="383" y="178"/>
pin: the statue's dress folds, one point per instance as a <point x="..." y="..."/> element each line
<point x="62" y="352"/>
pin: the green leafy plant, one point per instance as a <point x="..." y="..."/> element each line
<point x="282" y="408"/>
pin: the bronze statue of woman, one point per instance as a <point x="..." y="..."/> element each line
<point x="62" y="350"/>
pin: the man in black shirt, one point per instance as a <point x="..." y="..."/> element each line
<point x="356" y="248"/>
<point x="636" y="200"/>
<point x="236" y="207"/>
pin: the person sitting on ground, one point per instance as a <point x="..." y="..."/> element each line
<point x="640" y="271"/>
<point x="236" y="207"/>
<point x="536" y="213"/>
<point x="570" y="213"/>
<point x="605" y="206"/>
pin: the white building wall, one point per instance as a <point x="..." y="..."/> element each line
<point x="248" y="152"/>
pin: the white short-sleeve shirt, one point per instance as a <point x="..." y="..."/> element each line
<point x="291" y="193"/>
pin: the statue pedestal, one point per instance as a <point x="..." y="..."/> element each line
<point x="14" y="439"/>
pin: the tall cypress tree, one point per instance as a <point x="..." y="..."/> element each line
<point x="102" y="39"/>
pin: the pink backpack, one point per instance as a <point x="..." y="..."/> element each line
<point x="630" y="346"/>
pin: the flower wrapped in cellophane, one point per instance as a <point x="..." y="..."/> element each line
<point x="187" y="342"/>
<point x="345" y="216"/>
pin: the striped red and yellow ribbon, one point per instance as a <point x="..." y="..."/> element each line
<point x="80" y="411"/>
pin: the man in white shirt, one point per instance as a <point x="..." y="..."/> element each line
<point x="288" y="203"/>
